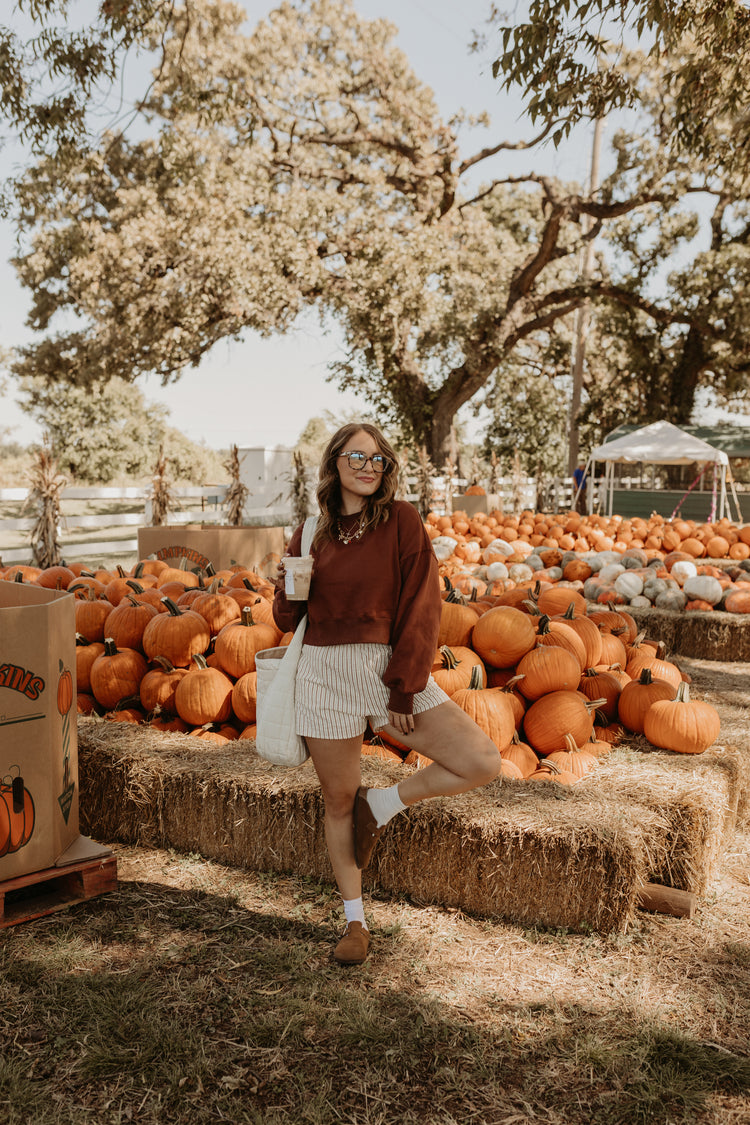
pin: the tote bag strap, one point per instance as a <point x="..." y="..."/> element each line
<point x="308" y="532"/>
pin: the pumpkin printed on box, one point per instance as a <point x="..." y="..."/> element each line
<point x="16" y="813"/>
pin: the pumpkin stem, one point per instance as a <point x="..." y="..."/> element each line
<point x="247" y="615"/>
<point x="166" y="664"/>
<point x="110" y="648"/>
<point x="127" y="702"/>
<point x="449" y="657"/>
<point x="135" y="586"/>
<point x="173" y="608"/>
<point x="594" y="704"/>
<point x="512" y="683"/>
<point x="200" y="660"/>
<point x="475" y="680"/>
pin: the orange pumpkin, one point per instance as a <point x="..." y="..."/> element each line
<point x="453" y="666"/>
<point x="116" y="674"/>
<point x="503" y="635"/>
<point x="490" y="709"/>
<point x="682" y="724"/>
<point x="203" y="695"/>
<point x="178" y="635"/>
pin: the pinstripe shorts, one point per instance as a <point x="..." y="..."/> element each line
<point x="340" y="688"/>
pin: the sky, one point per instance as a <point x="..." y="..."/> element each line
<point x="283" y="379"/>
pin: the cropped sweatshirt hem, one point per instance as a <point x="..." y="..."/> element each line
<point x="380" y="589"/>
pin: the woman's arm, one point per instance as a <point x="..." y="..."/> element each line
<point x="416" y="621"/>
<point x="286" y="614"/>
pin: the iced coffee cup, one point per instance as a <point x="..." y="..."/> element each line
<point x="297" y="577"/>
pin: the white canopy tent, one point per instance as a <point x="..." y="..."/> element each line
<point x="661" y="443"/>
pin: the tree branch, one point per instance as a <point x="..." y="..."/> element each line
<point x="504" y="146"/>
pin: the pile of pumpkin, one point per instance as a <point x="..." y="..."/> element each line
<point x="670" y="565"/>
<point x="159" y="645"/>
<point x="553" y="685"/>
<point x="556" y="687"/>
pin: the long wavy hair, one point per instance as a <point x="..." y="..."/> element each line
<point x="377" y="507"/>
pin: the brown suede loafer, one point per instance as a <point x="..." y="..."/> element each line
<point x="366" y="831"/>
<point x="353" y="947"/>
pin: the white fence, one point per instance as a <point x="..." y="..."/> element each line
<point x="84" y="534"/>
<point x="79" y="530"/>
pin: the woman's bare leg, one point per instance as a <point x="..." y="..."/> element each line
<point x="337" y="764"/>
<point x="463" y="756"/>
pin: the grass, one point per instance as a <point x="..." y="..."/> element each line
<point x="200" y="994"/>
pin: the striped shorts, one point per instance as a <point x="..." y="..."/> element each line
<point x="340" y="689"/>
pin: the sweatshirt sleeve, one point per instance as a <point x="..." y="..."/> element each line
<point x="417" y="620"/>
<point x="286" y="614"/>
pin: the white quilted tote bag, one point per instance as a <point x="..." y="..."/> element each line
<point x="277" y="740"/>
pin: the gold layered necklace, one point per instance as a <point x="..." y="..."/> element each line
<point x="346" y="537"/>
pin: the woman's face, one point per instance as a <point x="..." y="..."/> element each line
<point x="358" y="483"/>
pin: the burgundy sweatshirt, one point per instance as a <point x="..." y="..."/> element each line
<point x="381" y="589"/>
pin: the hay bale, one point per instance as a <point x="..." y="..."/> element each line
<point x="711" y="635"/>
<point x="696" y="797"/>
<point x="534" y="854"/>
<point x="529" y="854"/>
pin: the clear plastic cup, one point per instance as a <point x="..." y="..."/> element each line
<point x="297" y="577"/>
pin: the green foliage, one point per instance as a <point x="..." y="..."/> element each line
<point x="529" y="414"/>
<point x="107" y="431"/>
<point x="566" y="59"/>
<point x="273" y="172"/>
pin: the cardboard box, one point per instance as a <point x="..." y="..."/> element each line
<point x="207" y="543"/>
<point x="473" y="504"/>
<point x="38" y="731"/>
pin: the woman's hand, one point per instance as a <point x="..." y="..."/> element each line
<point x="281" y="571"/>
<point x="403" y="723"/>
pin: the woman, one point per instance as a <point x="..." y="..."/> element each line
<point x="373" y="618"/>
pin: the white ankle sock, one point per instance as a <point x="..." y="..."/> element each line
<point x="354" y="910"/>
<point x="385" y="803"/>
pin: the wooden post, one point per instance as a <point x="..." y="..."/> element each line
<point x="667" y="900"/>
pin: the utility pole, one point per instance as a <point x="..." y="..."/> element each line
<point x="583" y="313"/>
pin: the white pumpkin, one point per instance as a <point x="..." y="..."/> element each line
<point x="683" y="570"/>
<point x="640" y="602"/>
<point x="496" y="547"/>
<point x="496" y="570"/>
<point x="520" y="572"/>
<point x="629" y="584"/>
<point x="444" y="547"/>
<point x="610" y="572"/>
<point x="703" y="587"/>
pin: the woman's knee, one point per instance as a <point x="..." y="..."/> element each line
<point x="339" y="803"/>
<point x="486" y="763"/>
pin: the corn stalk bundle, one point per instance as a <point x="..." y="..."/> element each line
<point x="161" y="491"/>
<point x="238" y="492"/>
<point x="46" y="486"/>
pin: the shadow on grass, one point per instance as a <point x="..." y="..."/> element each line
<point x="160" y="1005"/>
